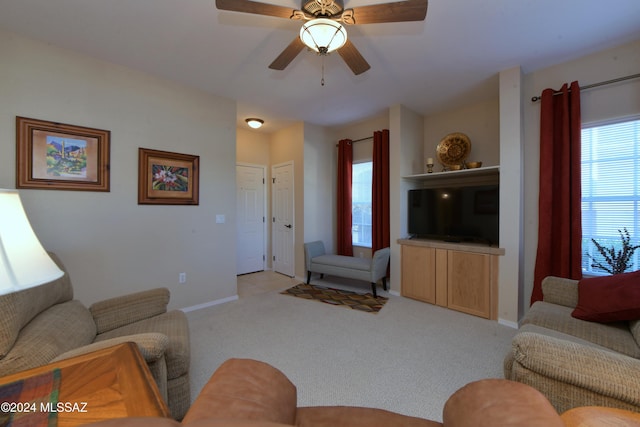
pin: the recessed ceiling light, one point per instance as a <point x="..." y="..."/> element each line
<point x="254" y="123"/>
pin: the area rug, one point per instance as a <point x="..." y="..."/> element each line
<point x="338" y="297"/>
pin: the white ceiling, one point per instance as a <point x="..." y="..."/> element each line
<point x="450" y="59"/>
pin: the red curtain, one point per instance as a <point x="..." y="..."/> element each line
<point x="345" y="161"/>
<point x="559" y="212"/>
<point x="380" y="191"/>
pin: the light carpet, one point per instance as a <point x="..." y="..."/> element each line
<point x="409" y="358"/>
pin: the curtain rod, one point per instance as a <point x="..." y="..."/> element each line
<point x="360" y="140"/>
<point x="619" y="79"/>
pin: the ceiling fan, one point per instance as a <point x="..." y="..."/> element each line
<point x="323" y="30"/>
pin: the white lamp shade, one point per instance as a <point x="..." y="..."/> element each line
<point x="23" y="261"/>
<point x="323" y="35"/>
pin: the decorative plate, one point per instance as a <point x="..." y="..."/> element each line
<point x="453" y="149"/>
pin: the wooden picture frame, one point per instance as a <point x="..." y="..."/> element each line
<point x="166" y="178"/>
<point x="59" y="156"/>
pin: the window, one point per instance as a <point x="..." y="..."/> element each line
<point x="610" y="189"/>
<point x="362" y="174"/>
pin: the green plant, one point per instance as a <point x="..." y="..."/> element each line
<point x="618" y="260"/>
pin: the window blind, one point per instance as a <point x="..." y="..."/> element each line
<point x="362" y="174"/>
<point x="610" y="189"/>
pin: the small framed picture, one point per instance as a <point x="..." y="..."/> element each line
<point x="166" y="178"/>
<point x="58" y="156"/>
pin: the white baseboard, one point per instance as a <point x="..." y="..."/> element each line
<point x="209" y="304"/>
<point x="509" y="323"/>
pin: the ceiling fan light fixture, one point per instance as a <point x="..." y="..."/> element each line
<point x="323" y="35"/>
<point x="254" y="123"/>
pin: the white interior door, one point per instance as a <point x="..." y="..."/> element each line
<point x="283" y="226"/>
<point x="251" y="220"/>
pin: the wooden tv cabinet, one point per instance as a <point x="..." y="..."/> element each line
<point x="459" y="276"/>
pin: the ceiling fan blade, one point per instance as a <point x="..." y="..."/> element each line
<point x="248" y="6"/>
<point x="287" y="55"/>
<point x="353" y="58"/>
<point x="399" y="11"/>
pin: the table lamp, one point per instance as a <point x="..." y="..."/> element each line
<point x="23" y="261"/>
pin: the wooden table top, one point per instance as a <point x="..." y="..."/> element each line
<point x="110" y="383"/>
<point x="597" y="416"/>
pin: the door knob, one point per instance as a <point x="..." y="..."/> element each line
<point x="288" y="226"/>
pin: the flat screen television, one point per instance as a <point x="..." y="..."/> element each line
<point x="455" y="214"/>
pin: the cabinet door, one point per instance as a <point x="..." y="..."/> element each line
<point x="469" y="278"/>
<point x="419" y="273"/>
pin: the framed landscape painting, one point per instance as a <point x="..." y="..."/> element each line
<point x="58" y="156"/>
<point x="166" y="178"/>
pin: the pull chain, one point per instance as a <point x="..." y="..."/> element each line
<point x="322" y="80"/>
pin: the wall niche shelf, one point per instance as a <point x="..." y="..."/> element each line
<point x="479" y="175"/>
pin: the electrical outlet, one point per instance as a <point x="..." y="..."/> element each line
<point x="182" y="278"/>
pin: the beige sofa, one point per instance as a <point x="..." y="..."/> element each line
<point x="45" y="323"/>
<point x="575" y="362"/>
<point x="250" y="393"/>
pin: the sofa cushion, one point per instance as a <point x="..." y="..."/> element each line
<point x="20" y="307"/>
<point x="614" y="336"/>
<point x="56" y="330"/>
<point x="342" y="261"/>
<point x="175" y="326"/>
<point x="609" y="299"/>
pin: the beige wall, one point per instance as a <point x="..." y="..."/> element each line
<point x="510" y="278"/>
<point x="319" y="186"/>
<point x="605" y="102"/>
<point x="362" y="150"/>
<point x="253" y="147"/>
<point x="110" y="244"/>
<point x="406" y="153"/>
<point x="480" y="122"/>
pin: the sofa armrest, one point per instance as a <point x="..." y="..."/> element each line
<point x="152" y="346"/>
<point x="599" y="371"/>
<point x="124" y="310"/>
<point x="312" y="250"/>
<point x="499" y="402"/>
<point x="561" y="291"/>
<point x="379" y="263"/>
<point x="245" y="389"/>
